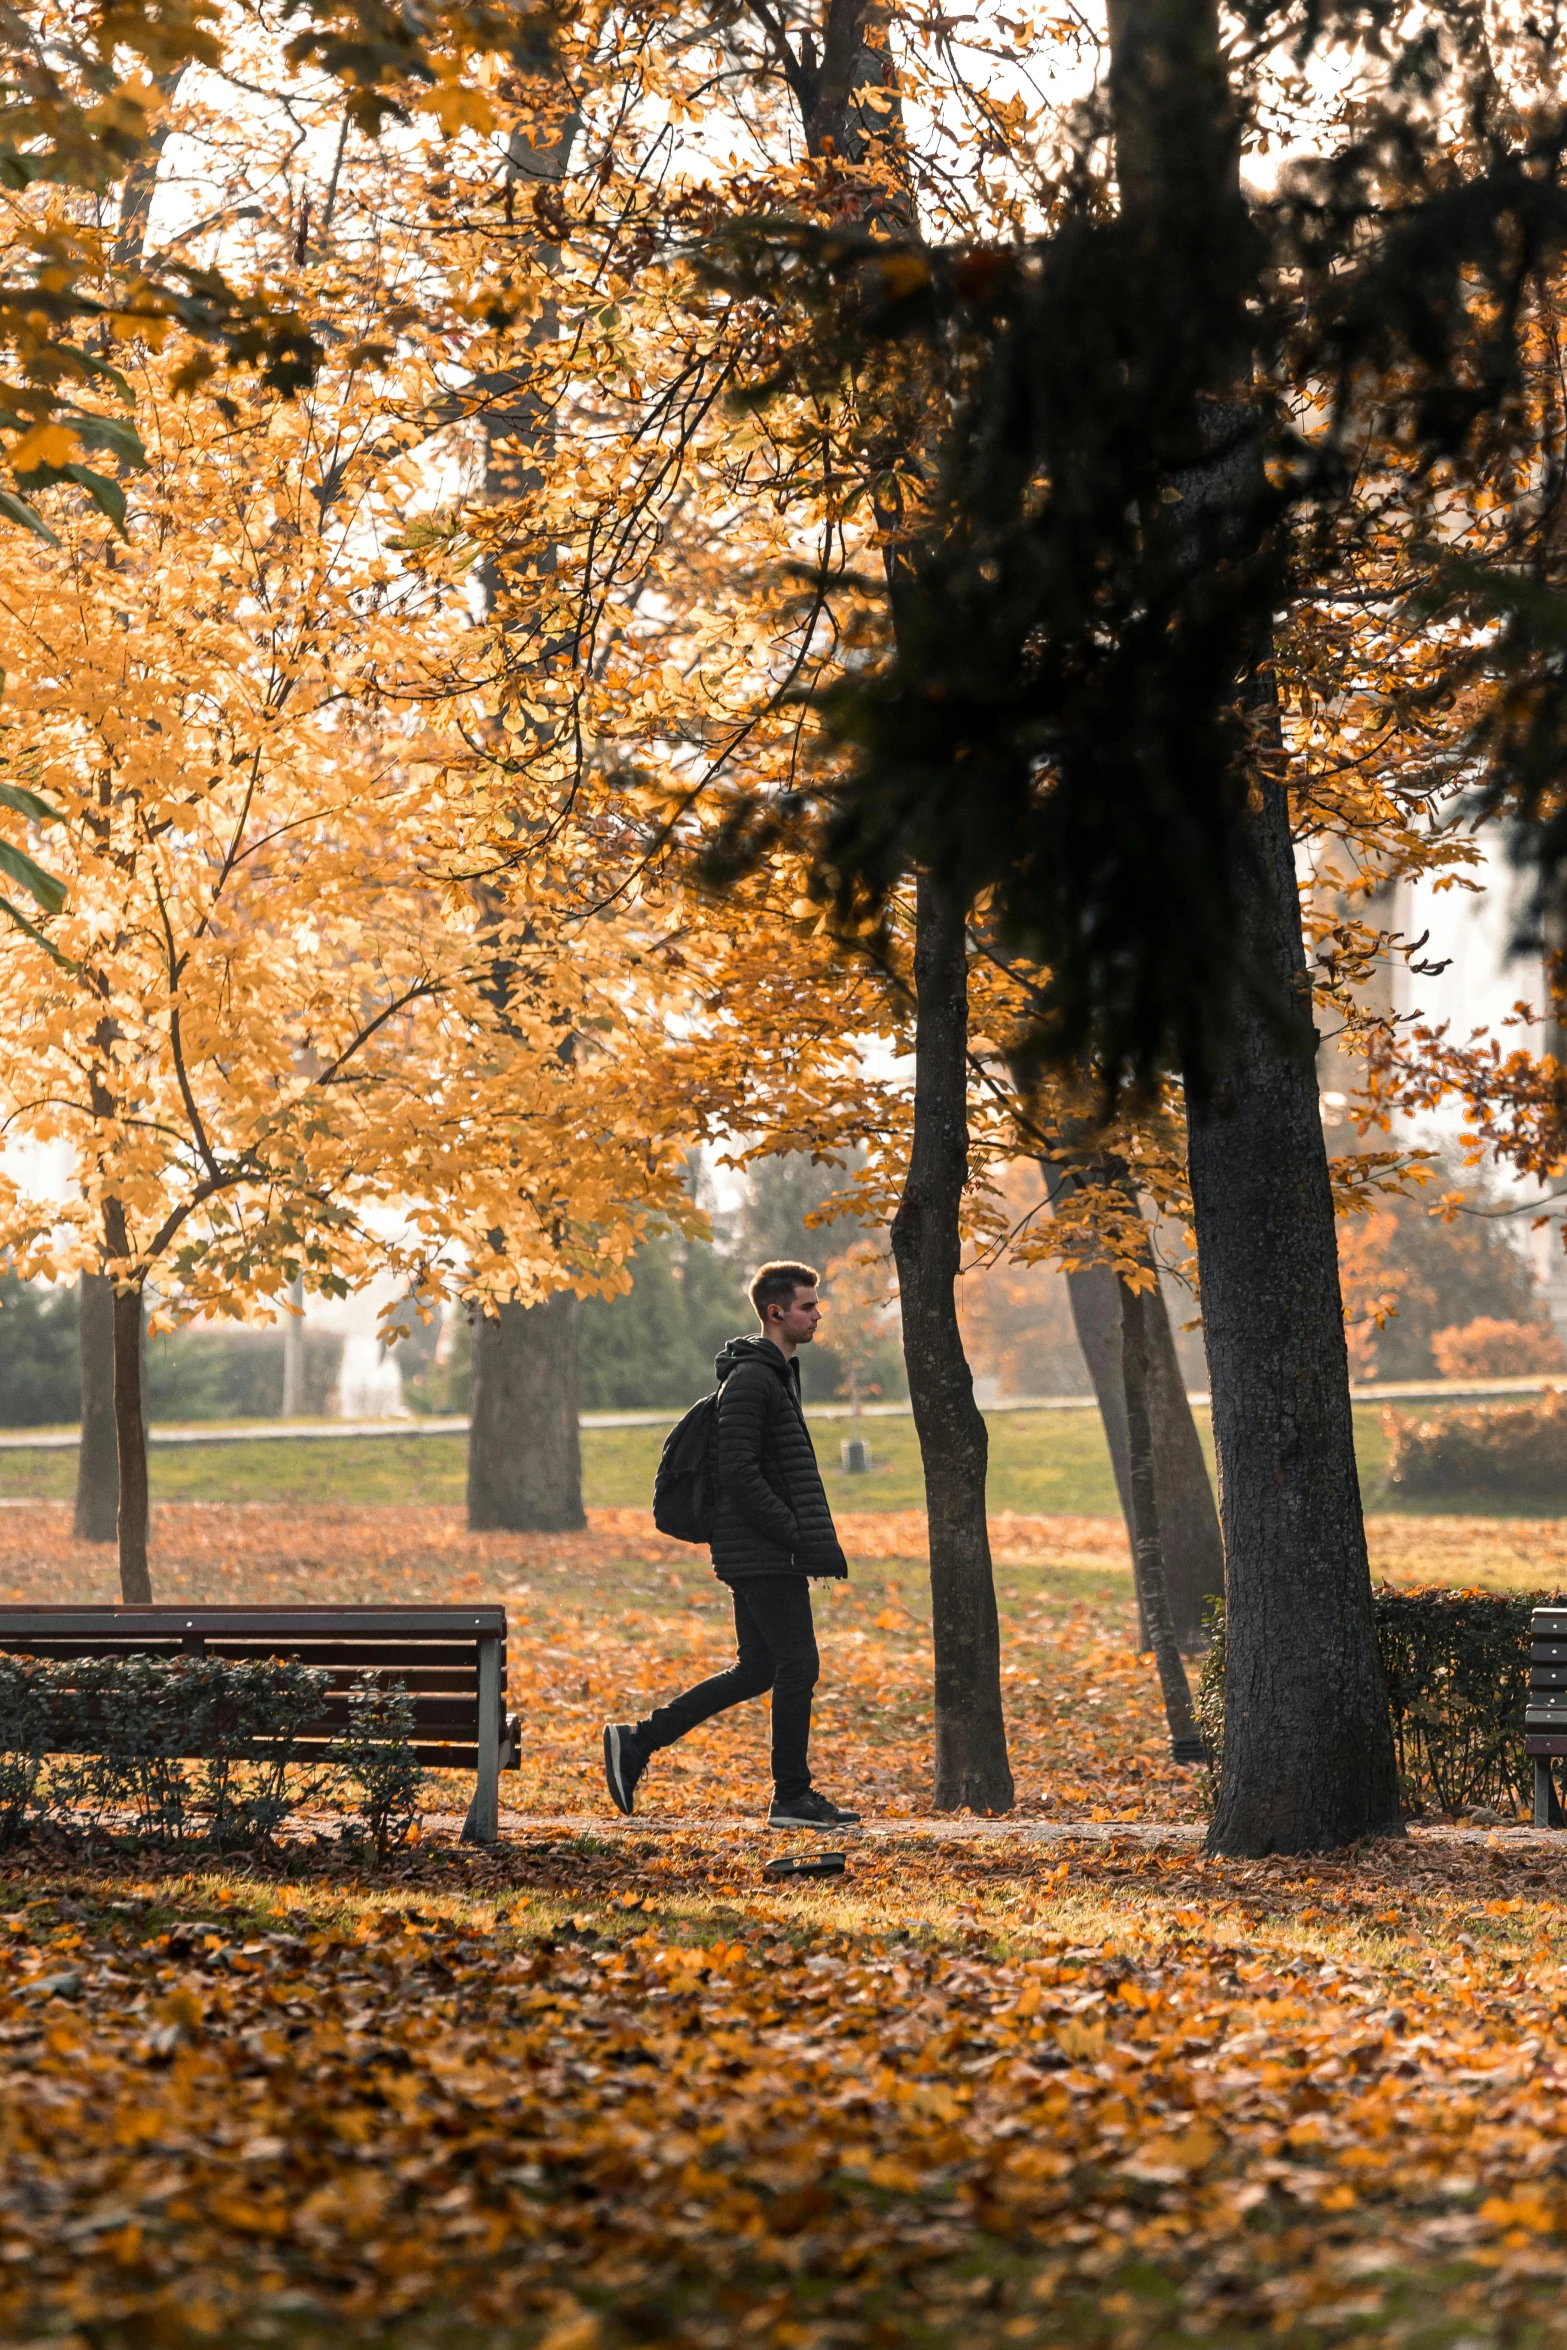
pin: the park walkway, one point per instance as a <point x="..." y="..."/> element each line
<point x="944" y="1829"/>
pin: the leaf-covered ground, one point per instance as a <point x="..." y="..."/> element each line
<point x="608" y="2089"/>
<point x="614" y="2091"/>
<point x="607" y="1622"/>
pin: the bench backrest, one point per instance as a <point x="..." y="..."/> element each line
<point x="441" y="1655"/>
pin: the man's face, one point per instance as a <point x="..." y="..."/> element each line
<point x="797" y="1321"/>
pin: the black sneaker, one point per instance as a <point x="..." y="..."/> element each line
<point x="624" y="1764"/>
<point x="810" y="1810"/>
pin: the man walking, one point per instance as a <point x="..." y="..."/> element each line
<point x="771" y="1531"/>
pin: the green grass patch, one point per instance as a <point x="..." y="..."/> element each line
<point x="1040" y="1463"/>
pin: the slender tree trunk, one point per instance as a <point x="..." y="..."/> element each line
<point x="847" y="91"/>
<point x="1308" y="1750"/>
<point x="1094" y="1295"/>
<point x="294" y="1351"/>
<point x="97" y="1461"/>
<point x="140" y="182"/>
<point x="524" y="1446"/>
<point x="130" y="1428"/>
<point x="1190" y="1540"/>
<point x="1147" y="1552"/>
<point x="1189" y="1533"/>
<point x="971" y="1739"/>
<point x="130" y="1418"/>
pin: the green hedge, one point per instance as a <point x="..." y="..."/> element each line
<point x="1457" y="1668"/>
<point x="182" y="1750"/>
<point x="1506" y="1451"/>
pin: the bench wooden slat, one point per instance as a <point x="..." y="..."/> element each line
<point x="438" y="1757"/>
<point x="454" y="1681"/>
<point x="461" y="1713"/>
<point x="448" y="1656"/>
<point x="450" y="1623"/>
<point x="460" y="1681"/>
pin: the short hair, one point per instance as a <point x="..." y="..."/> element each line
<point x="775" y="1285"/>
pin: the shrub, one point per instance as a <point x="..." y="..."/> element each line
<point x="377" y="1753"/>
<point x="1487" y="1349"/>
<point x="1511" y="1452"/>
<point x="1457" y="1670"/>
<point x="180" y="1749"/>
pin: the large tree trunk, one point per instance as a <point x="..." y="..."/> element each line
<point x="1308" y="1750"/>
<point x="971" y="1739"/>
<point x="97" y="1516"/>
<point x="524" y="1446"/>
<point x="130" y="1429"/>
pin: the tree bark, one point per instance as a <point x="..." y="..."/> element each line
<point x="1190" y="1541"/>
<point x="1308" y="1749"/>
<point x="1094" y="1295"/>
<point x="848" y="96"/>
<point x="130" y="1430"/>
<point x="294" y="1351"/>
<point x="971" y="1740"/>
<point x="1189" y="1533"/>
<point x="524" y="1446"/>
<point x="141" y="180"/>
<point x="1147" y="1553"/>
<point x="97" y="1460"/>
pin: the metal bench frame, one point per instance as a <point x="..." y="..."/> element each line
<point x="1545" y="1722"/>
<point x="453" y="1659"/>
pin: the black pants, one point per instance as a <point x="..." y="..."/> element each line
<point x="777" y="1650"/>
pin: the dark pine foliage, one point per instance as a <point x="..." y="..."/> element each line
<point x="1154" y="426"/>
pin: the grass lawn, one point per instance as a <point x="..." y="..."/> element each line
<point x="1052" y="1462"/>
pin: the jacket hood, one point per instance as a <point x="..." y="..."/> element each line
<point x="751" y="1349"/>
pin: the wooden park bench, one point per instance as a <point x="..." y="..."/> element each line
<point x="451" y="1661"/>
<point x="1545" y="1721"/>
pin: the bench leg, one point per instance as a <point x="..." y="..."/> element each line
<point x="482" y="1825"/>
<point x="1545" y="1805"/>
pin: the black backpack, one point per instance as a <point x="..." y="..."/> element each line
<point x="685" y="1488"/>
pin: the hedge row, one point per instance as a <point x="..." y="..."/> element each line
<point x="1457" y="1669"/>
<point x="182" y="1750"/>
<point x="1513" y="1452"/>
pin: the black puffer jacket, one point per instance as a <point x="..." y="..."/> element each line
<point x="771" y="1515"/>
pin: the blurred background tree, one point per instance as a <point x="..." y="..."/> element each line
<point x="1409" y="1274"/>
